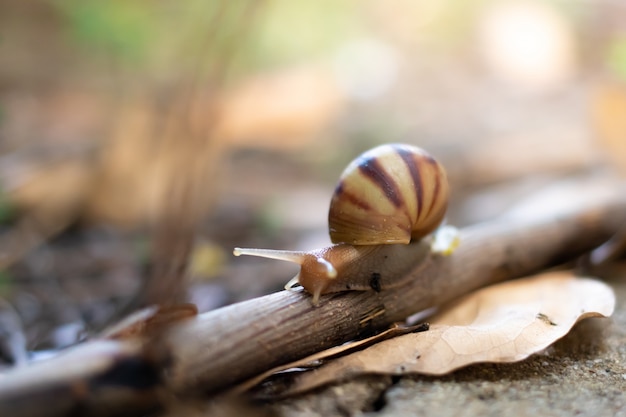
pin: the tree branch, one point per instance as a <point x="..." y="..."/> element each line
<point x="231" y="344"/>
<point x="226" y="346"/>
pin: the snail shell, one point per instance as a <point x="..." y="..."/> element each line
<point x="387" y="200"/>
<point x="390" y="194"/>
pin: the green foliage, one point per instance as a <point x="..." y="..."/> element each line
<point x="122" y="28"/>
<point x="616" y="57"/>
<point x="7" y="209"/>
<point x="142" y="250"/>
<point x="294" y="30"/>
<point x="5" y="283"/>
<point x="205" y="36"/>
<point x="155" y="37"/>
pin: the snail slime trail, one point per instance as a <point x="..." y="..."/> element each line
<point x="387" y="203"/>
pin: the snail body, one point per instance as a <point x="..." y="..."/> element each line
<point x="386" y="202"/>
<point x="345" y="267"/>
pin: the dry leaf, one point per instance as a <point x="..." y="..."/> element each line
<point x="333" y="352"/>
<point x="502" y="323"/>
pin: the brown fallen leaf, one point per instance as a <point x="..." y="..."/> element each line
<point x="502" y="323"/>
<point x="337" y="351"/>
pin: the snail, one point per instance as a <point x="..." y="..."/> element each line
<point x="386" y="202"/>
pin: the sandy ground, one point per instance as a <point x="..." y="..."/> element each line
<point x="583" y="374"/>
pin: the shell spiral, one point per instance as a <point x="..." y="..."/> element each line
<point x="393" y="193"/>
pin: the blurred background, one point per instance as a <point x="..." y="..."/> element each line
<point x="140" y="141"/>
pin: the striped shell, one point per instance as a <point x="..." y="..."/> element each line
<point x="390" y="194"/>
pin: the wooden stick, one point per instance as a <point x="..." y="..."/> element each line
<point x="220" y="348"/>
<point x="231" y="344"/>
